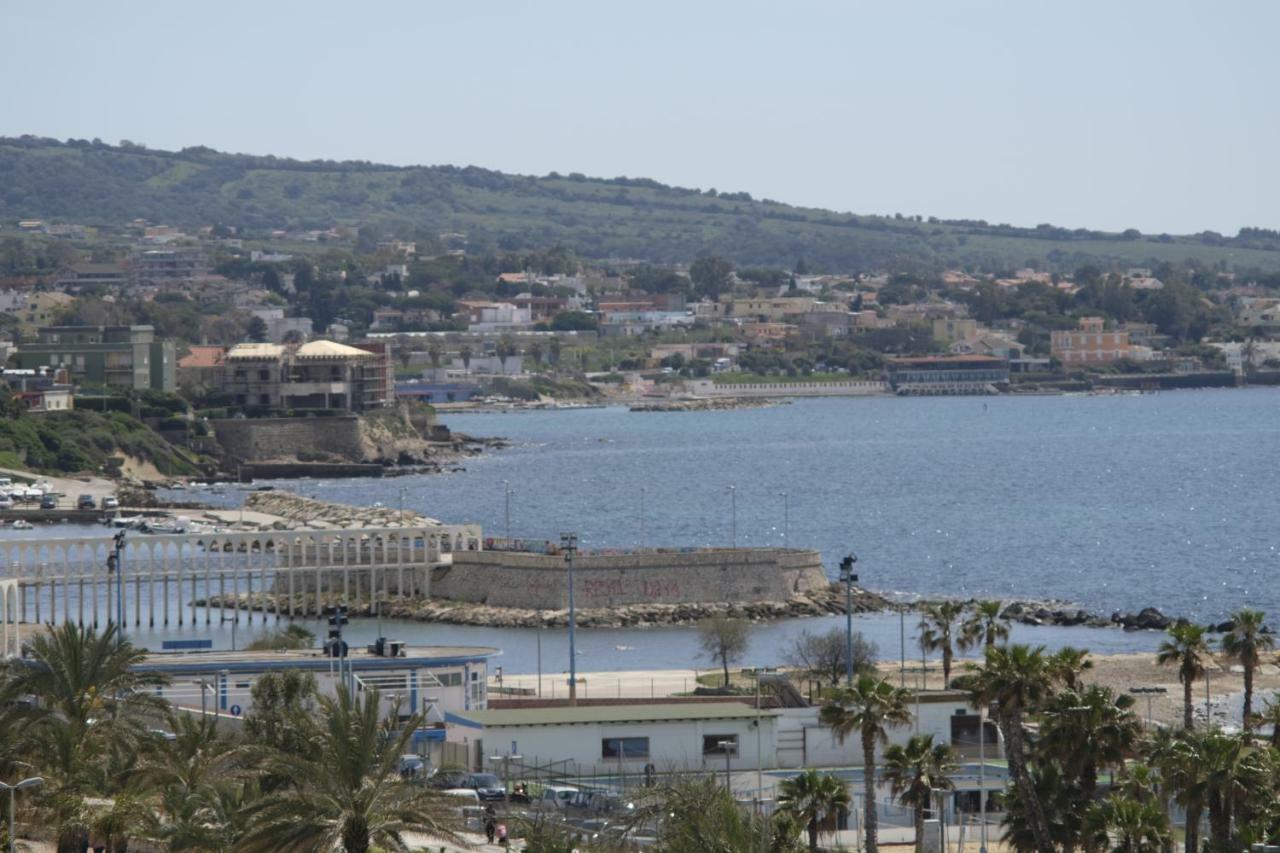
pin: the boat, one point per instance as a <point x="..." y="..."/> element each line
<point x="21" y="524"/>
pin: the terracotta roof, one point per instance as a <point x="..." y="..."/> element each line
<point x="203" y="356"/>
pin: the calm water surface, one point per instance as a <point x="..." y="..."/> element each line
<point x="1112" y="502"/>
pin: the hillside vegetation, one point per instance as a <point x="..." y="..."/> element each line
<point x="84" y="441"/>
<point x="94" y="183"/>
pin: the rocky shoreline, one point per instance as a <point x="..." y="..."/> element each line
<point x="826" y="602"/>
<point x="708" y="404"/>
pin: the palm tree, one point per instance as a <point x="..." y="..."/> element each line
<point x="349" y="792"/>
<point x="1187" y="648"/>
<point x="917" y="769"/>
<point x="553" y="350"/>
<point x="435" y="352"/>
<point x="1183" y="773"/>
<point x="1067" y="665"/>
<point x="1245" y="642"/>
<point x="869" y="707"/>
<point x="192" y="773"/>
<point x="809" y="798"/>
<point x="505" y="348"/>
<point x="1122" y="825"/>
<point x="1235" y="777"/>
<point x="1088" y="731"/>
<point x="986" y="625"/>
<point x="937" y="627"/>
<point x="535" y="352"/>
<point x="1017" y="680"/>
<point x="1058" y="798"/>
<point x="1145" y="783"/>
<point x="465" y="354"/>
<point x="88" y="718"/>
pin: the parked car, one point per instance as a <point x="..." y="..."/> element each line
<point x="447" y="779"/>
<point x="86" y="502"/>
<point x="110" y="502"/>
<point x="6" y="502"/>
<point x="487" y="787"/>
<point x="49" y="502"/>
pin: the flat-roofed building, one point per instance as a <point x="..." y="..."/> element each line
<point x="601" y="739"/>
<point x="117" y="356"/>
<point x="946" y="374"/>
<point x="1091" y="343"/>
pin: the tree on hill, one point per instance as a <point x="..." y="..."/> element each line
<point x="711" y="276"/>
<point x="257" y="330"/>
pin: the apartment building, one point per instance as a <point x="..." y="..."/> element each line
<point x="320" y="375"/>
<point x="126" y="357"/>
<point x="1091" y="343"/>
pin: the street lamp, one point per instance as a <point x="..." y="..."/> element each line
<point x="786" y="519"/>
<point x="728" y="747"/>
<point x="848" y="578"/>
<point x="506" y="495"/>
<point x="1148" y="692"/>
<point x="733" y="516"/>
<point x="642" y="516"/>
<point x="569" y="544"/>
<point x="33" y="782"/>
<point x="115" y="566"/>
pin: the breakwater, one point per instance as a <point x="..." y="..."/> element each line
<point x="650" y="576"/>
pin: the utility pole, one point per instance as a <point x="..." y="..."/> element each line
<point x="569" y="544"/>
<point x="506" y="494"/>
<point x="733" y="516"/>
<point x="116" y="567"/>
<point x="849" y="579"/>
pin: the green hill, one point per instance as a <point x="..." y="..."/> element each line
<point x="94" y="183"/>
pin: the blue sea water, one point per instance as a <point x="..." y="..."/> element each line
<point x="1113" y="502"/>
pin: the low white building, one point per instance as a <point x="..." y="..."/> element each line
<point x="602" y="739"/>
<point x="430" y="680"/>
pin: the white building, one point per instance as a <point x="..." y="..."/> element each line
<point x="607" y="738"/>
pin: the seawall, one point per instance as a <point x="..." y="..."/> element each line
<point x="540" y="582"/>
<point x="263" y="439"/>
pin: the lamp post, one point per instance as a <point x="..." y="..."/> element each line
<point x="506" y="496"/>
<point x="642" y="516"/>
<point x="849" y="579"/>
<point x="733" y="516"/>
<point x="115" y="566"/>
<point x="33" y="782"/>
<point x="569" y="544"/>
<point x="1148" y="692"/>
<point x="786" y="519"/>
<point x="727" y="746"/>
<point x="982" y="777"/>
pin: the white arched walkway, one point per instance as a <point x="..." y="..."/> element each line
<point x="10" y="638"/>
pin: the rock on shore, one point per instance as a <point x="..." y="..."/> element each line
<point x="819" y="603"/>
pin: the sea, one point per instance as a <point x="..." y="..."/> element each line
<point x="1109" y="502"/>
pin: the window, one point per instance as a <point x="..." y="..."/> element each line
<point x="624" y="747"/>
<point x="711" y="744"/>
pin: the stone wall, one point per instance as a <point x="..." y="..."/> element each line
<point x="535" y="581"/>
<point x="265" y="439"/>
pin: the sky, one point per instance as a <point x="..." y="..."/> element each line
<point x="1159" y="116"/>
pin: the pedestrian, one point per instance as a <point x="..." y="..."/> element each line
<point x="490" y="823"/>
<point x="502" y="834"/>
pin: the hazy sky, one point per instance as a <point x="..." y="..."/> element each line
<point x="1155" y="115"/>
